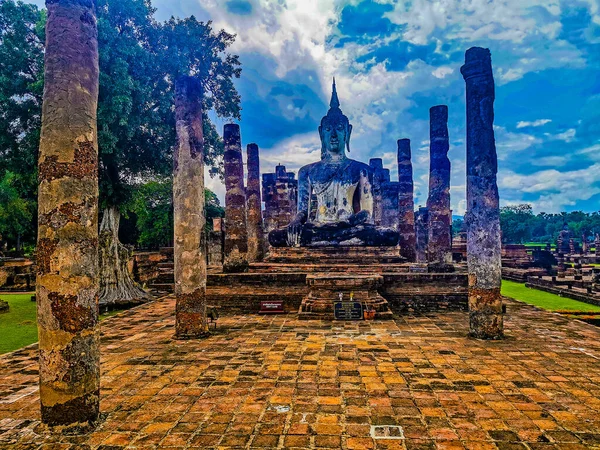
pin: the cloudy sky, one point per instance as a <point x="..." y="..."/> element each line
<point x="393" y="60"/>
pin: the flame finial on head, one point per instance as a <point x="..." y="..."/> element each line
<point x="335" y="101"/>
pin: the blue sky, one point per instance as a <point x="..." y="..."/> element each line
<point x="393" y="60"/>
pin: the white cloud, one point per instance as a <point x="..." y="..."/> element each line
<point x="535" y="123"/>
<point x="567" y="136"/>
<point x="442" y="72"/>
<point x="555" y="189"/>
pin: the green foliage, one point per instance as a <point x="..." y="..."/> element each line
<point x="140" y="59"/>
<point x="16" y="212"/>
<point x="152" y="206"/>
<point x="21" y="89"/>
<point x="544" y="300"/>
<point x="457" y="227"/>
<point x="520" y="225"/>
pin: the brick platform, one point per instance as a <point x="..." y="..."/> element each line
<point x="277" y="382"/>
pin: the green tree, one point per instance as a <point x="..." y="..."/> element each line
<point x="16" y="212"/>
<point x="152" y="207"/>
<point x="140" y="59"/>
<point x="21" y="88"/>
<point x="515" y="222"/>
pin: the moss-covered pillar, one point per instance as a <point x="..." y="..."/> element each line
<point x="439" y="250"/>
<point x="483" y="211"/>
<point x="236" y="231"/>
<point x="188" y="212"/>
<point x="67" y="248"/>
<point x="406" y="202"/>
<point x="256" y="234"/>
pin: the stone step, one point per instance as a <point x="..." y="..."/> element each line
<point x="333" y="267"/>
<point x="163" y="287"/>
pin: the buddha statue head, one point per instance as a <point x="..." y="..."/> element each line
<point x="335" y="130"/>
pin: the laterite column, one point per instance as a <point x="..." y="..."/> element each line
<point x="256" y="235"/>
<point x="188" y="206"/>
<point x="406" y="202"/>
<point x="67" y="247"/>
<point x="439" y="251"/>
<point x="483" y="211"/>
<point x="236" y="232"/>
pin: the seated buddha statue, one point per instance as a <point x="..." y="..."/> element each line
<point x="335" y="196"/>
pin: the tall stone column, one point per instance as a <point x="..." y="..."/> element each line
<point x="236" y="232"/>
<point x="484" y="247"/>
<point x="439" y="251"/>
<point x="422" y="235"/>
<point x="406" y="202"/>
<point x="256" y="235"/>
<point x="67" y="247"/>
<point x="188" y="206"/>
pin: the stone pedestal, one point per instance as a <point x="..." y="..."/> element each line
<point x="325" y="290"/>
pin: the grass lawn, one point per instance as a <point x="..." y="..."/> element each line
<point x="18" y="326"/>
<point x="544" y="300"/>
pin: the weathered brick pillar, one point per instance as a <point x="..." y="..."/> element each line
<point x="439" y="251"/>
<point x="571" y="246"/>
<point x="236" y="232"/>
<point x="188" y="215"/>
<point x="406" y="202"/>
<point x="484" y="247"/>
<point x="256" y="235"/>
<point x="377" y="165"/>
<point x="422" y="235"/>
<point x="67" y="248"/>
<point x="597" y="245"/>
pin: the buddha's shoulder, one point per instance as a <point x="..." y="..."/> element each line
<point x="357" y="165"/>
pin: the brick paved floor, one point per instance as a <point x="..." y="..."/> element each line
<point x="276" y="382"/>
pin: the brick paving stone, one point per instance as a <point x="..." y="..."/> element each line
<point x="279" y="383"/>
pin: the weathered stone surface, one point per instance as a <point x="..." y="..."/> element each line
<point x="422" y="234"/>
<point x="236" y="231"/>
<point x="376" y="165"/>
<point x="406" y="202"/>
<point x="563" y="246"/>
<point x="439" y="250"/>
<point x="188" y="215"/>
<point x="67" y="251"/>
<point x="280" y="194"/>
<point x="256" y="234"/>
<point x="483" y="212"/>
<point x="390" y="217"/>
<point x="216" y="243"/>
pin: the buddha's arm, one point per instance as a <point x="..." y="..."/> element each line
<point x="303" y="196"/>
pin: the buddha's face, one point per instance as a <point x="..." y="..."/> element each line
<point x="335" y="136"/>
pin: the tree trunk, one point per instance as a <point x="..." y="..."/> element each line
<point x="116" y="283"/>
<point x="67" y="248"/>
